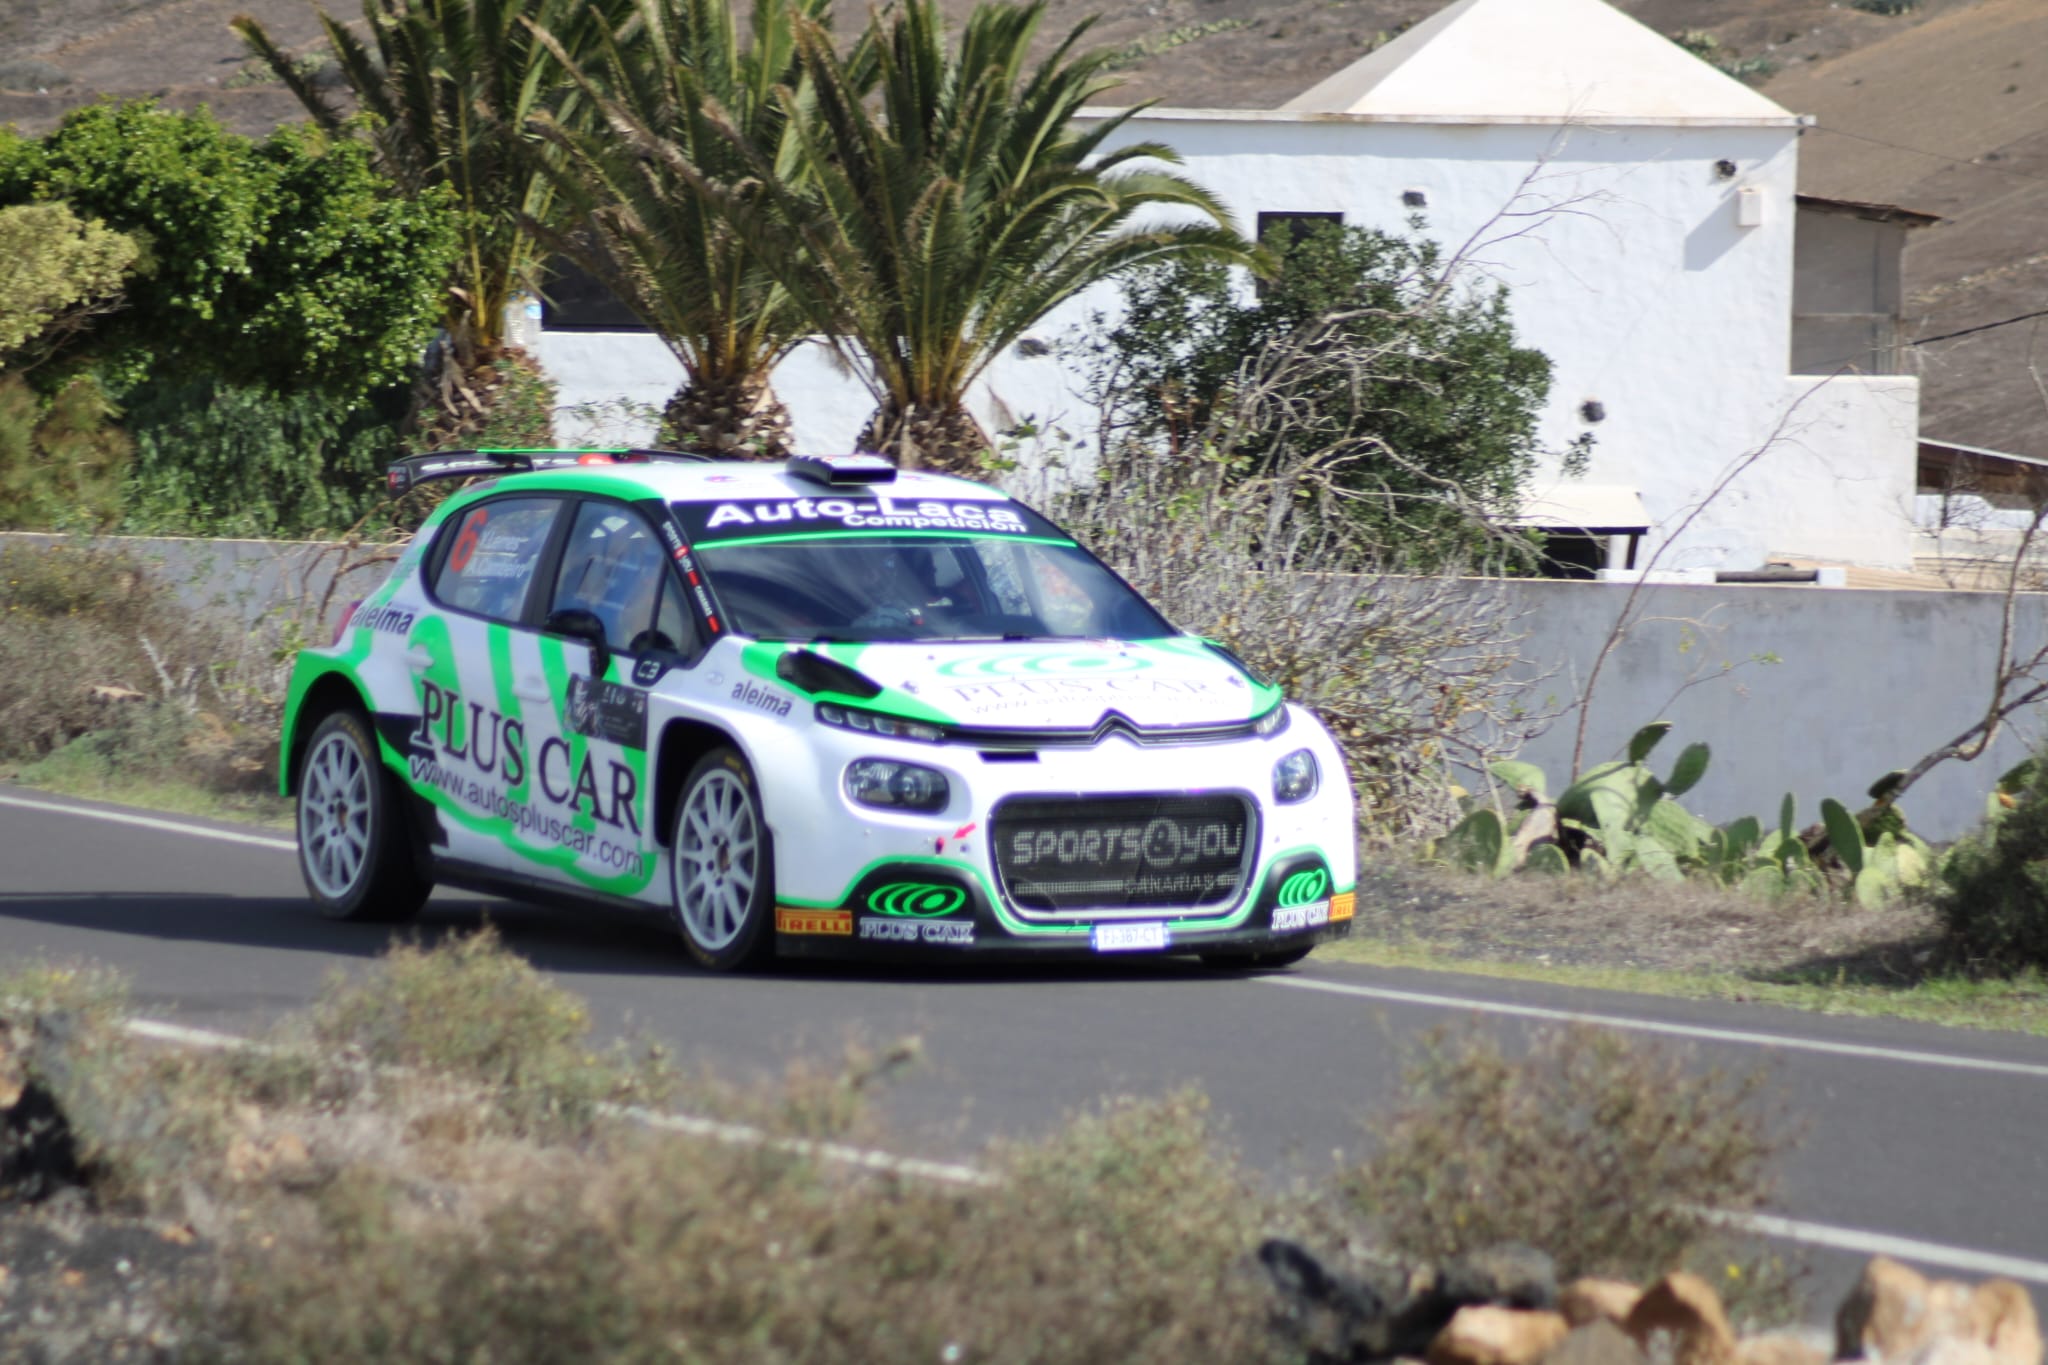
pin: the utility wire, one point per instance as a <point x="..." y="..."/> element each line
<point x="1938" y="156"/>
<point x="1984" y="327"/>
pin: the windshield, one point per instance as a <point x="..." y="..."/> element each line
<point x="883" y="585"/>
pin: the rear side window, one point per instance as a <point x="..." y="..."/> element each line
<point x="492" y="552"/>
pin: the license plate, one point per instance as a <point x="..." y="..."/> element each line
<point x="1129" y="938"/>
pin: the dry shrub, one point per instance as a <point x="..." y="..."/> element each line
<point x="1415" y="671"/>
<point x="1114" y="1240"/>
<point x="111" y="677"/>
<point x="1610" y="1154"/>
<point x="471" y="1012"/>
<point x="140" y="1122"/>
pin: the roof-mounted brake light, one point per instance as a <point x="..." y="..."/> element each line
<point x="839" y="471"/>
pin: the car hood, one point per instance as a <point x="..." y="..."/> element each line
<point x="1061" y="684"/>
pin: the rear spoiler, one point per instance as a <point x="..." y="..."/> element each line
<point x="414" y="470"/>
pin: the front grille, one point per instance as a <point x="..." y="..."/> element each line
<point x="1078" y="854"/>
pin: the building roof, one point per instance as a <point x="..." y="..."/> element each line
<point x="1876" y="213"/>
<point x="1548" y="61"/>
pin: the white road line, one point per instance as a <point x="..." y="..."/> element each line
<point x="151" y="822"/>
<point x="716" y="1130"/>
<point x="1885" y="1244"/>
<point x="1697" y="1032"/>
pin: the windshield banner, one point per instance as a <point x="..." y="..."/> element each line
<point x="707" y="523"/>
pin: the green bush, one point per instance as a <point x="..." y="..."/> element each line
<point x="1407" y="389"/>
<point x="1609" y="1154"/>
<point x="1993" y="888"/>
<point x="218" y="459"/>
<point x="289" y="263"/>
<point x="59" y="271"/>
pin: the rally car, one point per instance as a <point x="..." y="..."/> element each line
<point x="820" y="707"/>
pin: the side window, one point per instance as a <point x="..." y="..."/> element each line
<point x="492" y="551"/>
<point x="613" y="566"/>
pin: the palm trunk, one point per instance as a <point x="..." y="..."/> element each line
<point x="946" y="440"/>
<point x="501" y="398"/>
<point x="738" y="416"/>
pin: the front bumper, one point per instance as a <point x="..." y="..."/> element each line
<point x="917" y="910"/>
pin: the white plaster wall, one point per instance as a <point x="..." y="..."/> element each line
<point x="1864" y="682"/>
<point x="1625" y="265"/>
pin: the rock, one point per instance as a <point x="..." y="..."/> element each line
<point x="1686" y="1306"/>
<point x="1508" y="1273"/>
<point x="2003" y="1318"/>
<point x="1331" y="1316"/>
<point x="1599" y="1341"/>
<point x="1486" y="1335"/>
<point x="1889" y="1314"/>
<point x="1780" y="1348"/>
<point x="1589" y="1300"/>
<point x="1505" y="1275"/>
<point x="1895" y="1312"/>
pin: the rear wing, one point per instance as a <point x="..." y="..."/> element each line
<point x="414" y="470"/>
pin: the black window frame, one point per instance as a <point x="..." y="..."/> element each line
<point x="688" y="655"/>
<point x="550" y="554"/>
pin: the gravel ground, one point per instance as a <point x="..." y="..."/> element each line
<point x="1636" y="924"/>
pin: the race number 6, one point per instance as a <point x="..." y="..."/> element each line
<point x="465" y="539"/>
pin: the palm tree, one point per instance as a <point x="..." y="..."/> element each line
<point x="673" y="94"/>
<point x="449" y="88"/>
<point x="939" y="223"/>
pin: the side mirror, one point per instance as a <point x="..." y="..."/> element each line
<point x="578" y="624"/>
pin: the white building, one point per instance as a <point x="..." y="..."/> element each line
<point x="1639" y="205"/>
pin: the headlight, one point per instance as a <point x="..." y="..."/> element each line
<point x="1272" y="723"/>
<point x="1294" y="777"/>
<point x="875" y="723"/>
<point x="888" y="785"/>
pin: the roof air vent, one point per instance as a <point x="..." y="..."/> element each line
<point x="840" y="471"/>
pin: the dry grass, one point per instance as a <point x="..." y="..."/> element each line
<point x="112" y="681"/>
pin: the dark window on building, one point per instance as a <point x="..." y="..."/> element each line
<point x="1572" y="556"/>
<point x="575" y="301"/>
<point x="1296" y="225"/>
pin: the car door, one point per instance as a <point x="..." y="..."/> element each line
<point x="613" y="621"/>
<point x="474" y="660"/>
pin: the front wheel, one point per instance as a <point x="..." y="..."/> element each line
<point x="721" y="872"/>
<point x="353" y="846"/>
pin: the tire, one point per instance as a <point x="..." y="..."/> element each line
<point x="722" y="866"/>
<point x="1256" y="962"/>
<point x="355" y="851"/>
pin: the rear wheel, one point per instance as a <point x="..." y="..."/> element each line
<point x="354" y="849"/>
<point x="721" y="873"/>
<point x="1256" y="962"/>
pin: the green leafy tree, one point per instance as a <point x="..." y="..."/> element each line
<point x="934" y="225"/>
<point x="449" y="86"/>
<point x="61" y="272"/>
<point x="669" y="92"/>
<point x="289" y="263"/>
<point x="1409" y="390"/>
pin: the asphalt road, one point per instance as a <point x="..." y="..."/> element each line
<point x="1919" y="1141"/>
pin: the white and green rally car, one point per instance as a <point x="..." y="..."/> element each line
<point x="819" y="708"/>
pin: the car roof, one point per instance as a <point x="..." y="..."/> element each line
<point x="725" y="480"/>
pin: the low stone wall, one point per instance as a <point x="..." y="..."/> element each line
<point x="1813" y="691"/>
